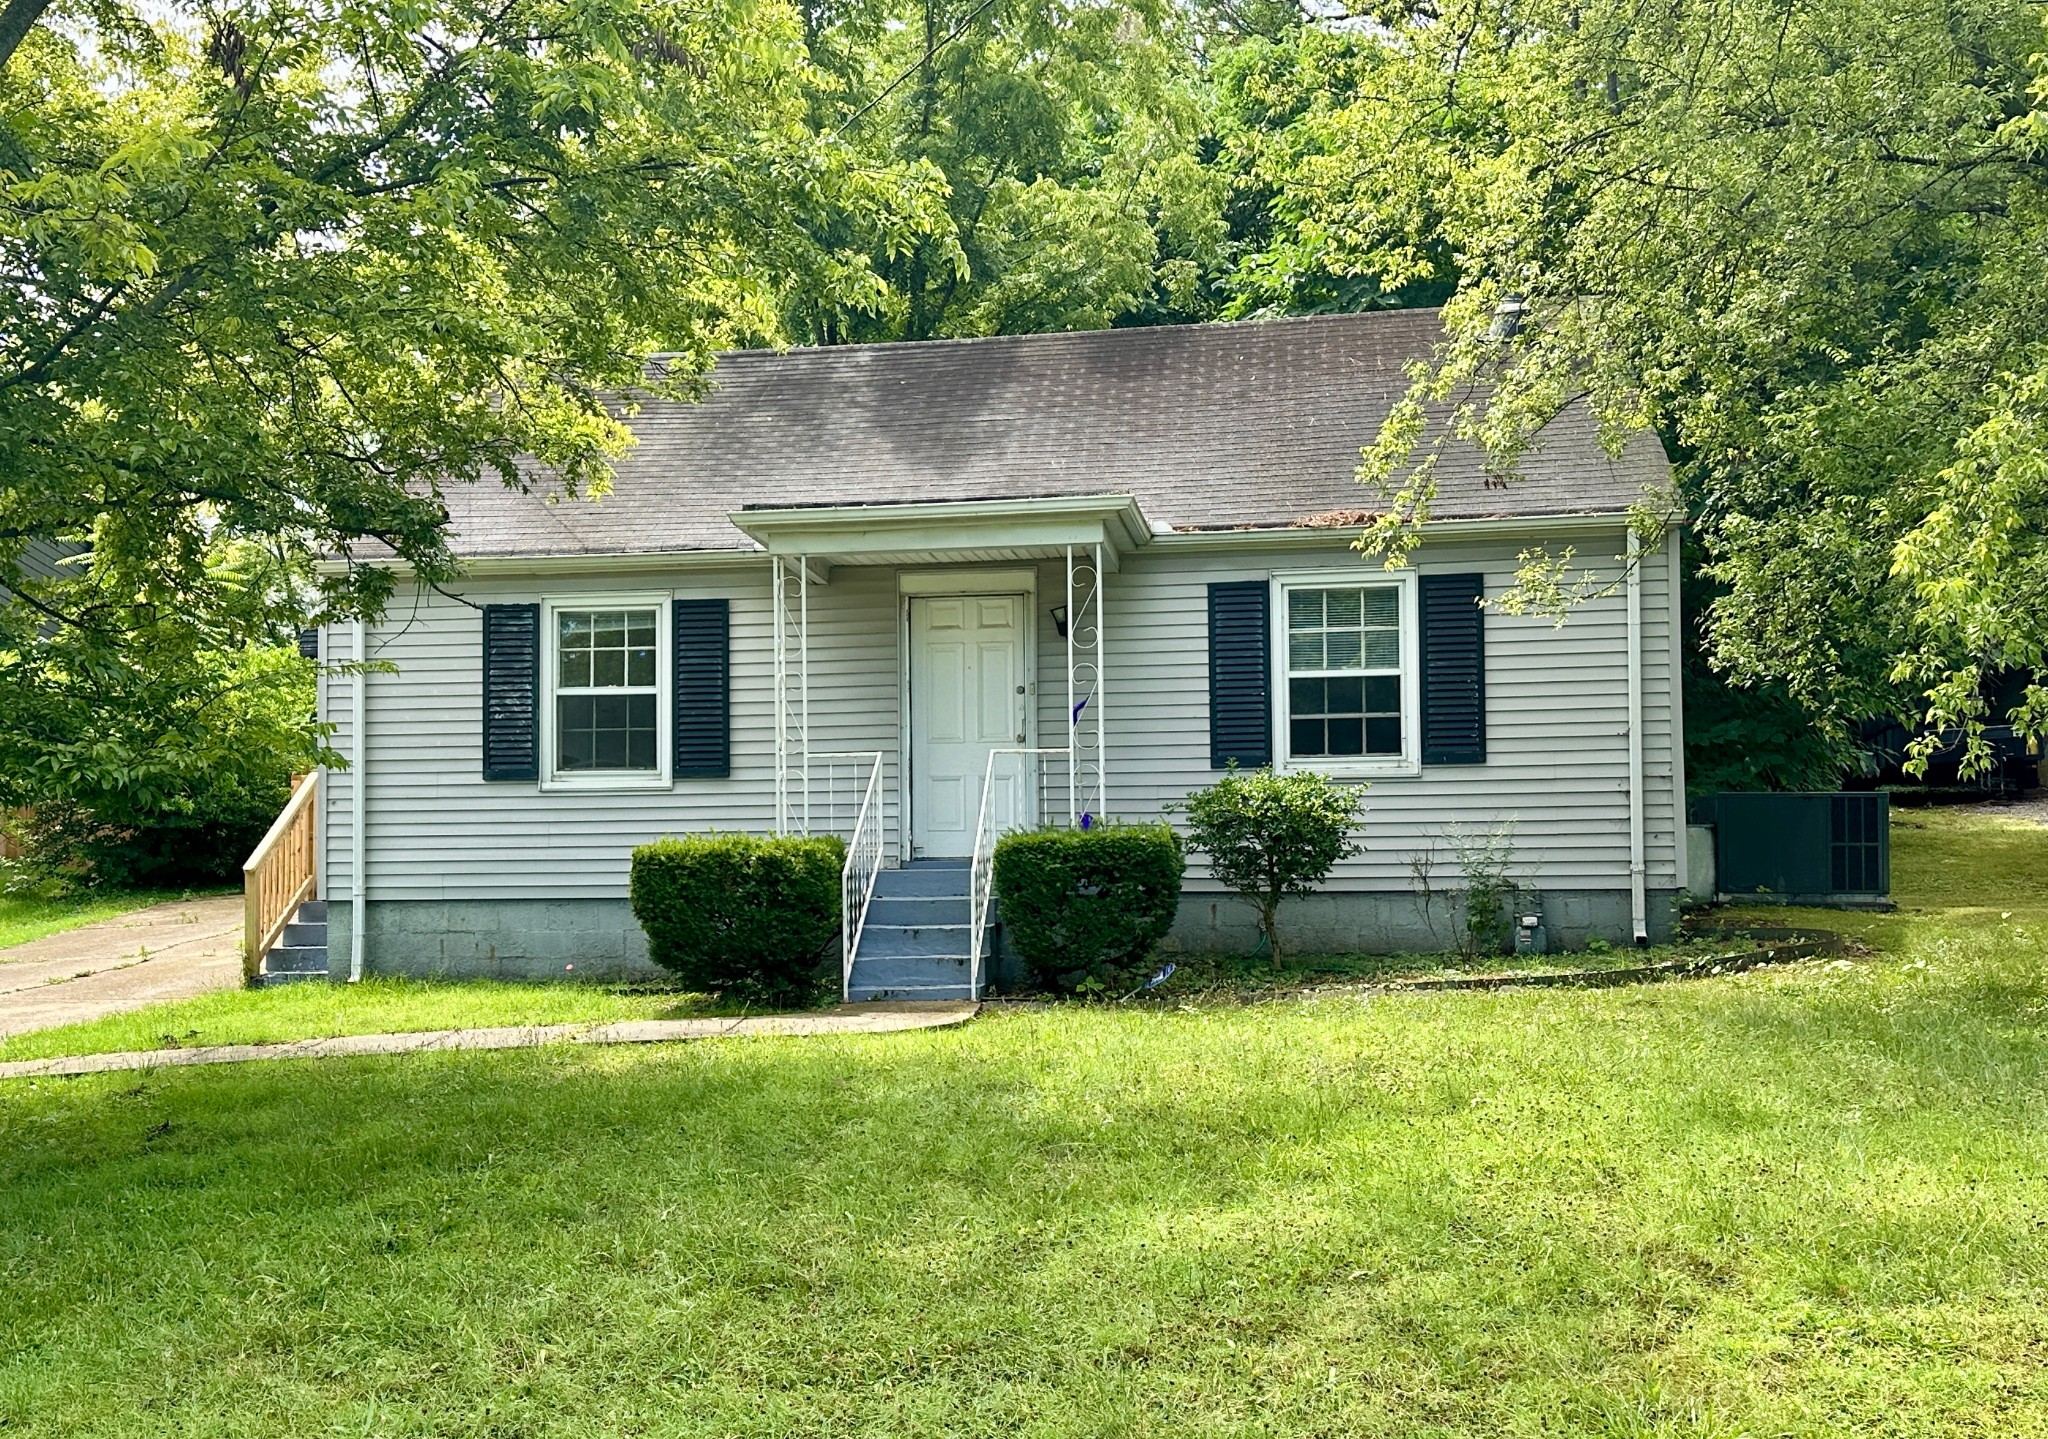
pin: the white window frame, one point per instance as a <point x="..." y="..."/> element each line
<point x="587" y="781"/>
<point x="1409" y="761"/>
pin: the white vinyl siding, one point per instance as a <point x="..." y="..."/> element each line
<point x="1556" y="698"/>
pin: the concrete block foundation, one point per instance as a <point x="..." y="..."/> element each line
<point x="598" y="939"/>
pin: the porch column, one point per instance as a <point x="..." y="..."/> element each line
<point x="792" y="604"/>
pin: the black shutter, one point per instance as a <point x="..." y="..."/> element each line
<point x="511" y="691"/>
<point x="703" y="645"/>
<point x="1453" y="669"/>
<point x="1240" y="674"/>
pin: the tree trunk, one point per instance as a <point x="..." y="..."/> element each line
<point x="17" y="18"/>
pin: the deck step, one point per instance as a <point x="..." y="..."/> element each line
<point x="914" y="944"/>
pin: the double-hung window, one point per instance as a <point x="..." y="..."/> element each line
<point x="1348" y="699"/>
<point x="607" y="692"/>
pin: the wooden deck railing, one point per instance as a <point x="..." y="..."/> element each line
<point x="279" y="876"/>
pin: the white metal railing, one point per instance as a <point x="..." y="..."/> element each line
<point x="981" y="866"/>
<point x="863" y="863"/>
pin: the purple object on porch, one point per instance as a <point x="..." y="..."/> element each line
<point x="1087" y="820"/>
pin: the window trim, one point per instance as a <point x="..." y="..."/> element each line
<point x="1409" y="761"/>
<point x="600" y="781"/>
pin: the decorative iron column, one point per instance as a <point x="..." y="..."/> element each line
<point x="1087" y="722"/>
<point x="792" y="604"/>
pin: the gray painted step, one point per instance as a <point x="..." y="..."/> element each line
<point x="301" y="951"/>
<point x="933" y="993"/>
<point x="926" y="881"/>
<point x="892" y="941"/>
<point x="918" y="909"/>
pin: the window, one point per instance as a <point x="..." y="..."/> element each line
<point x="1347" y="696"/>
<point x="605" y="707"/>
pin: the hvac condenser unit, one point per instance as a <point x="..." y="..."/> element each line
<point x="1823" y="849"/>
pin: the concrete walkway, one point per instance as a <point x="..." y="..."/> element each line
<point x="847" y="1019"/>
<point x="168" y="951"/>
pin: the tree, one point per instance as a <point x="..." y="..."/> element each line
<point x="1269" y="836"/>
<point x="1068" y="133"/>
<point x="278" y="275"/>
<point x="1800" y="243"/>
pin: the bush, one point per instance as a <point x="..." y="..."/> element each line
<point x="1086" y="908"/>
<point x="1271" y="835"/>
<point x="757" y="919"/>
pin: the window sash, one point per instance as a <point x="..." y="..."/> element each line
<point x="610" y="727"/>
<point x="1323" y="729"/>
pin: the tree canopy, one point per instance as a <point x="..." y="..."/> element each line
<point x="1801" y="242"/>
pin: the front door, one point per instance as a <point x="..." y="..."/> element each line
<point x="967" y="697"/>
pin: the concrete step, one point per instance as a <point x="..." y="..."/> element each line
<point x="296" y="959"/>
<point x="313" y="911"/>
<point x="918" y="909"/>
<point x="923" y="881"/>
<point x="304" y="934"/>
<point x="901" y="971"/>
<point x="911" y="993"/>
<point x="931" y="941"/>
<point x="267" y="979"/>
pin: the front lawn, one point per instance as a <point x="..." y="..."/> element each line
<point x="1808" y="1201"/>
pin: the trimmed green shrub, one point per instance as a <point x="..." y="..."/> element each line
<point x="1272" y="835"/>
<point x="756" y="919"/>
<point x="1086" y="908"/>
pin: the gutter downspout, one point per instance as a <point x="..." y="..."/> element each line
<point x="358" y="804"/>
<point x="1638" y="905"/>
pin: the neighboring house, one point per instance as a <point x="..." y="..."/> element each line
<point x="1129" y="550"/>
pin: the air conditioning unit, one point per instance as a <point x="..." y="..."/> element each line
<point x="1820" y="849"/>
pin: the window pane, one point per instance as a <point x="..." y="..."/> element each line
<point x="1305" y="652"/>
<point x="1383" y="694"/>
<point x="611" y="749"/>
<point x="572" y="732"/>
<point x="1341" y="608"/>
<point x="640" y="667"/>
<point x="1382" y="649"/>
<point x="575" y="629"/>
<point x="1382" y="606"/>
<point x="1383" y="736"/>
<point x="1304" y="609"/>
<point x="575" y="669"/>
<point x="1343" y="695"/>
<point x="1347" y="736"/>
<point x="1342" y="650"/>
<point x="640" y="736"/>
<point x="1305" y="737"/>
<point x="640" y="627"/>
<point x="610" y="629"/>
<point x="608" y="668"/>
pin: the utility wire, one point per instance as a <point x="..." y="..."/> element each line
<point x="956" y="32"/>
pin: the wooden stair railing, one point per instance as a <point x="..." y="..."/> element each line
<point x="279" y="876"/>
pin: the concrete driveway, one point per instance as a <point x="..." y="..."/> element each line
<point x="168" y="951"/>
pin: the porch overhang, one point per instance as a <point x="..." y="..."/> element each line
<point x="950" y="531"/>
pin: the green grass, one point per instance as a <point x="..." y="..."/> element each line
<point x="27" y="916"/>
<point x="1809" y="1201"/>
<point x="374" y="1006"/>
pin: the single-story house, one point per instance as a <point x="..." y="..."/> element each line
<point x="917" y="594"/>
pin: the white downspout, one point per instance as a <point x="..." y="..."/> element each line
<point x="1675" y="639"/>
<point x="358" y="801"/>
<point x="1638" y="905"/>
<point x="1101" y="692"/>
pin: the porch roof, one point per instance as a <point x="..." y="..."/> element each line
<point x="949" y="531"/>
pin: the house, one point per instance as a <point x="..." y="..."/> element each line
<point x="916" y="594"/>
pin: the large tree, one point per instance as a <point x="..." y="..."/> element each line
<point x="1069" y="134"/>
<point x="1802" y="242"/>
<point x="278" y="273"/>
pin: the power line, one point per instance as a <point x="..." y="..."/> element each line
<point x="929" y="55"/>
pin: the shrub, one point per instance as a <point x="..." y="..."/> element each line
<point x="1086" y="908"/>
<point x="1270" y="835"/>
<point x="752" y="918"/>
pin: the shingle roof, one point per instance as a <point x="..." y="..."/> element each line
<point x="1219" y="426"/>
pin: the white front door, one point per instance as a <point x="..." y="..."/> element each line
<point x="967" y="697"/>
